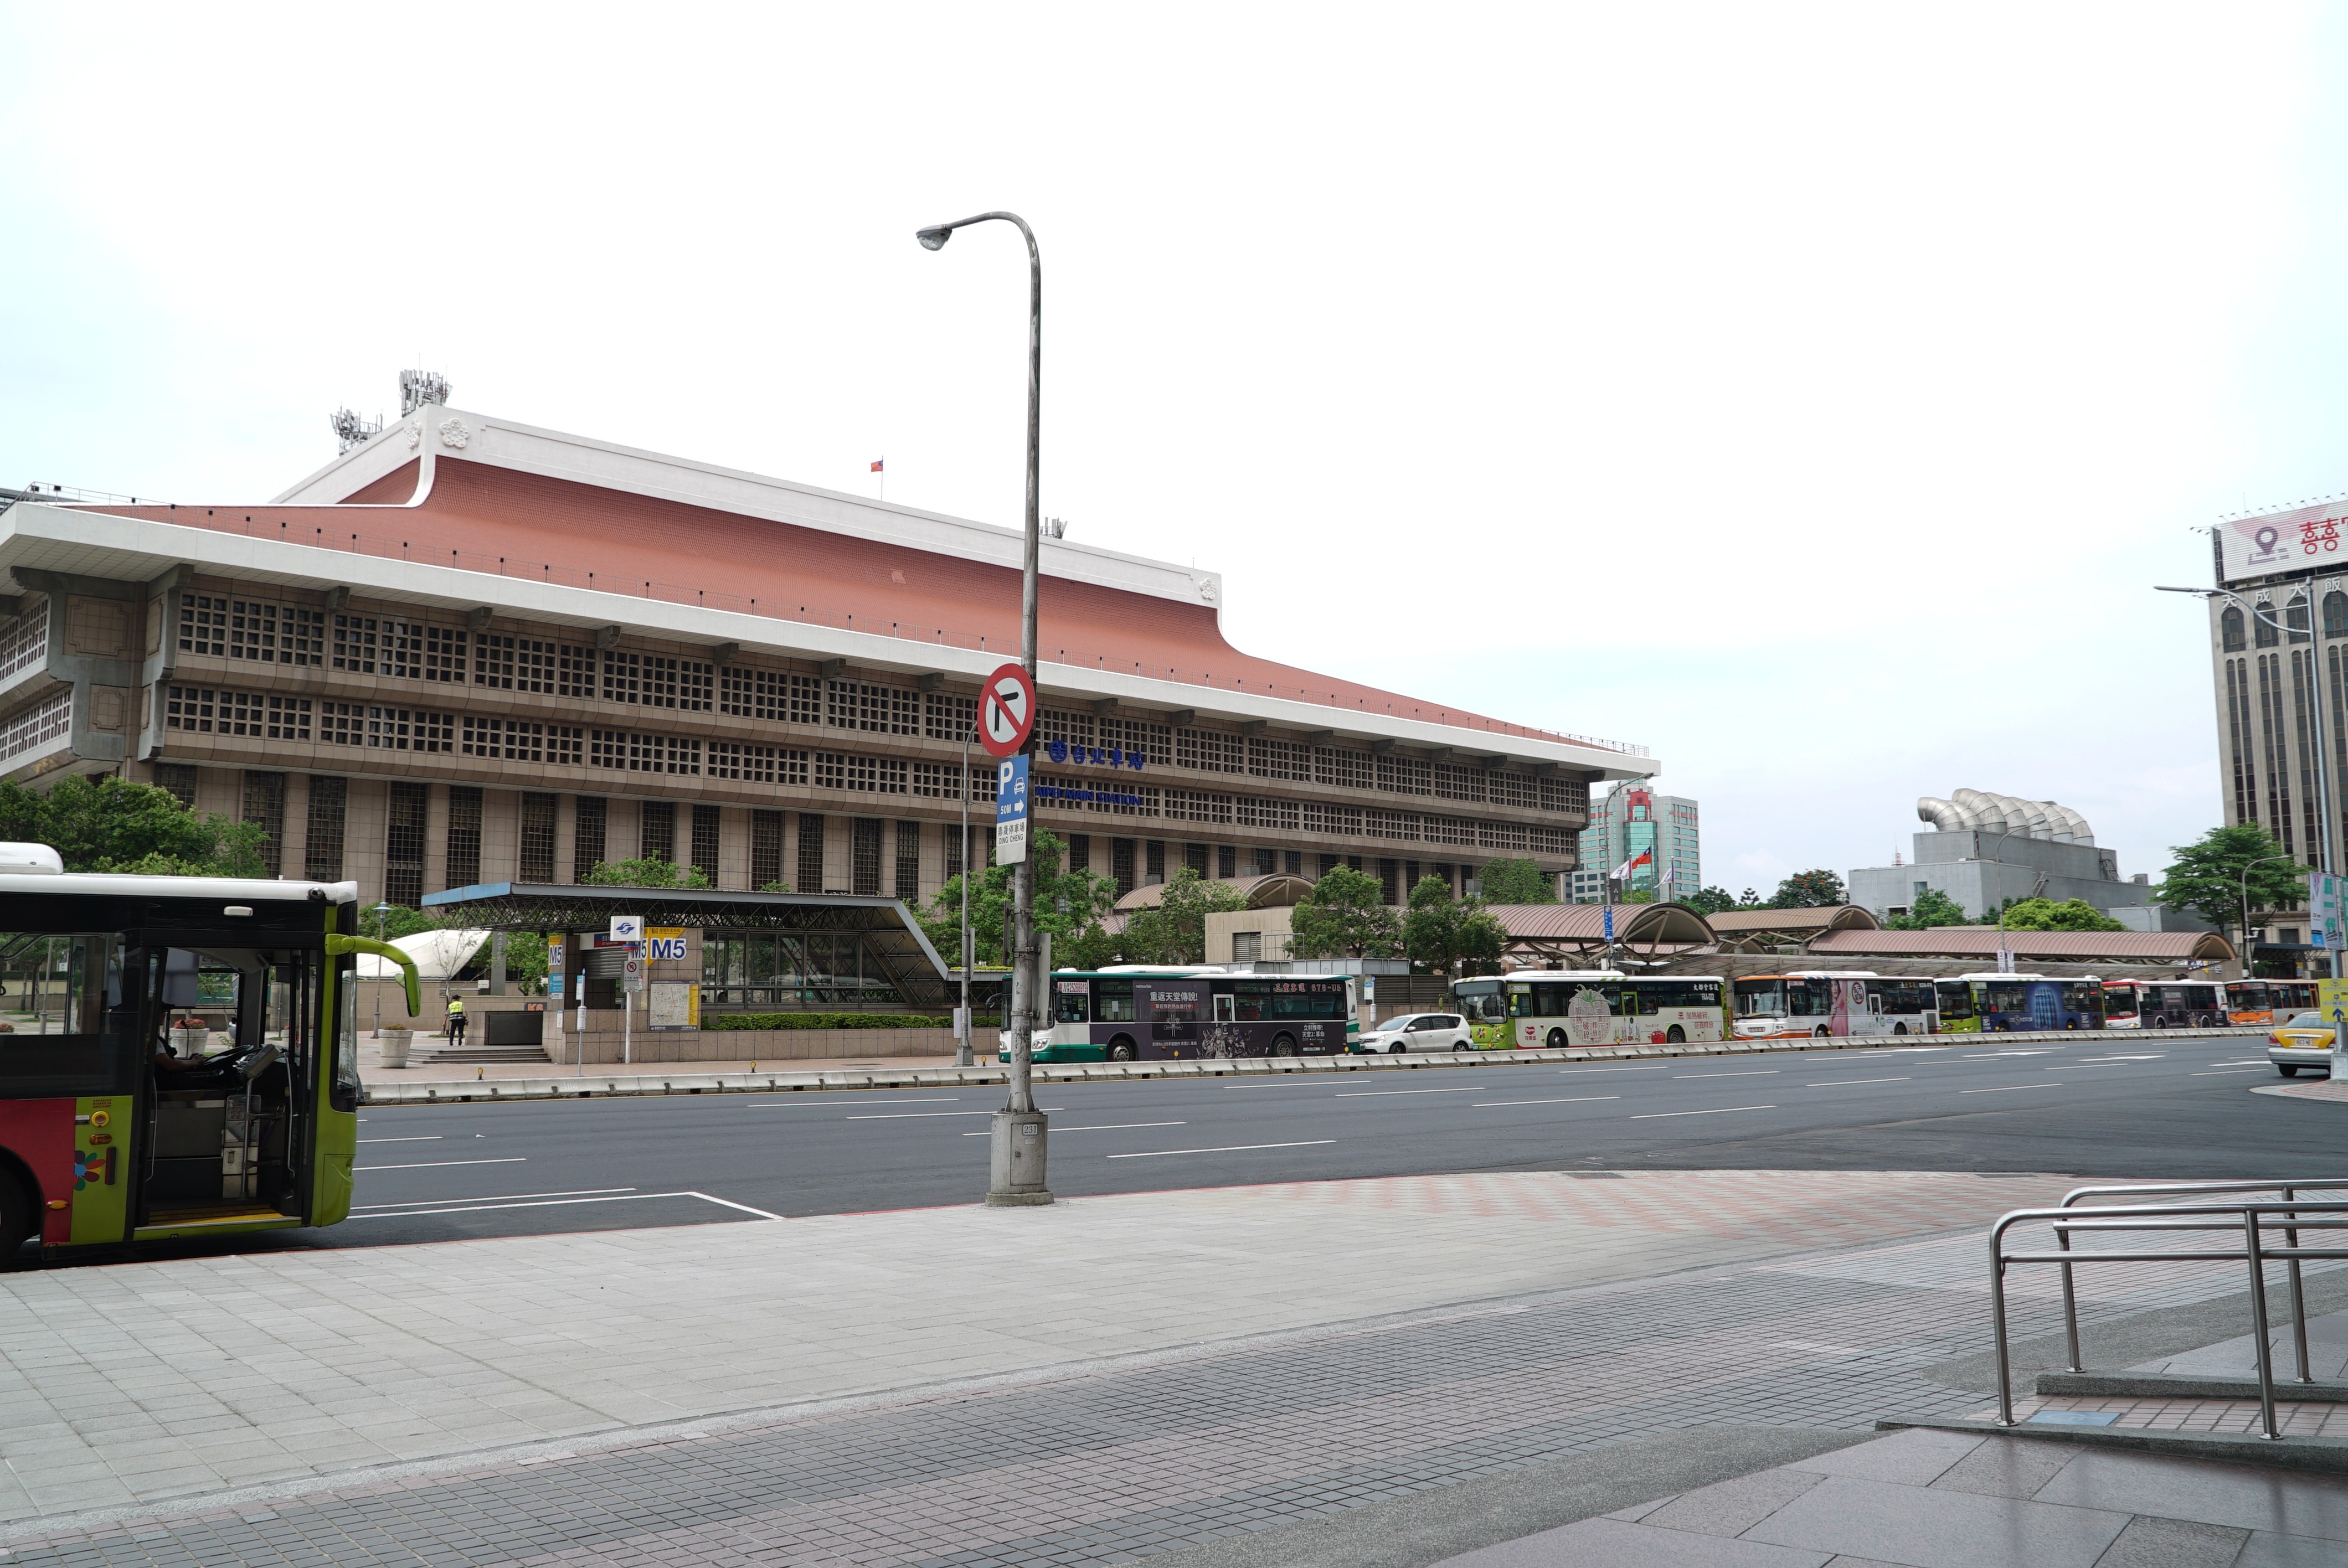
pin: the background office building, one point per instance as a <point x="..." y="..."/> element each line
<point x="1634" y="821"/>
<point x="469" y="651"/>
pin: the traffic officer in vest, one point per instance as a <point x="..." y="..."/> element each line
<point x="456" y="1021"/>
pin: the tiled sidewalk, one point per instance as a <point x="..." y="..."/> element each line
<point x="1076" y="1459"/>
<point x="1949" y="1500"/>
<point x="2231" y="1417"/>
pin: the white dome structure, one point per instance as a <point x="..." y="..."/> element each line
<point x="438" y="955"/>
<point x="1973" y="810"/>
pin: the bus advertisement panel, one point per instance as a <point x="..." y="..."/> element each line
<point x="1823" y="1004"/>
<point x="1555" y="1010"/>
<point x="2163" y="1004"/>
<point x="1143" y="1017"/>
<point x="1996" y="1003"/>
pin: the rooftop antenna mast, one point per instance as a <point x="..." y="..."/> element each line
<point x="420" y="388"/>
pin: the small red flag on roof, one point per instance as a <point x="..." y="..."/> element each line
<point x="876" y="465"/>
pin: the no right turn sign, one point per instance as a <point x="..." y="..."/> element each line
<point x="1006" y="710"/>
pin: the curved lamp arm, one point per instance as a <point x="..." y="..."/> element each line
<point x="338" y="945"/>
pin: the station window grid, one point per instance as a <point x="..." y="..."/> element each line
<point x="946" y="717"/>
<point x="203" y="625"/>
<point x="861" y="776"/>
<point x="257" y="629"/>
<point x="462" y="844"/>
<point x="1206" y="751"/>
<point x="589" y="830"/>
<point x="1154" y="742"/>
<point x="908" y="861"/>
<point x="322" y="843"/>
<point x="1339" y="768"/>
<point x="523" y="740"/>
<point x="938" y="781"/>
<point x="1405" y="776"/>
<point x="502" y="663"/>
<point x="1255" y="811"/>
<point x="656" y="834"/>
<point x="24" y="640"/>
<point x="402" y="844"/>
<point x="1457" y="783"/>
<point x="864" y="857"/>
<point x="757" y="764"/>
<point x="386" y="729"/>
<point x="765" y="849"/>
<point x="626" y="752"/>
<point x="264" y="806"/>
<point x="1060" y="724"/>
<point x="656" y="680"/>
<point x="879" y="709"/>
<point x="705" y="820"/>
<point x="1274" y="758"/>
<point x="534" y="860"/>
<point x="776" y="696"/>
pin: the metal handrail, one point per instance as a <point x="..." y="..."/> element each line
<point x="2246" y="1215"/>
<point x="2136" y="1189"/>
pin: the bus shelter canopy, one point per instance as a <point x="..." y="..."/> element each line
<point x="888" y="928"/>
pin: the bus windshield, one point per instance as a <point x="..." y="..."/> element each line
<point x="1761" y="999"/>
<point x="2120" y="1001"/>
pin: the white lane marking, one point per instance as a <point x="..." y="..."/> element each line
<point x="1223" y="1149"/>
<point x="1741" y="1073"/>
<point x="2009" y="1088"/>
<point x="1645" y="1067"/>
<point x="1569" y="1099"/>
<point x="812" y="1099"/>
<point x="1994" y="1055"/>
<point x="1110" y="1127"/>
<point x="1383" y="1093"/>
<point x="1839" y="1082"/>
<point x="730" y="1204"/>
<point x="479" y="1208"/>
<point x="2222" y="1072"/>
<point x="498" y="1198"/>
<point x="418" y="1138"/>
<point x="2146" y="1056"/>
<point x="1652" y="1115"/>
<point x="430" y="1164"/>
<point x="915" y="1115"/>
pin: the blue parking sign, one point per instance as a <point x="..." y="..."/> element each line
<point x="1011" y="810"/>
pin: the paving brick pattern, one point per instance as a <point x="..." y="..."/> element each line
<point x="2230" y="1417"/>
<point x="1119" y="1463"/>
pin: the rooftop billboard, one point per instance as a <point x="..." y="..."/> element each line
<point x="2295" y="540"/>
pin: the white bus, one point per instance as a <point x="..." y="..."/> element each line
<point x="1550" y="1009"/>
<point x="1826" y="1002"/>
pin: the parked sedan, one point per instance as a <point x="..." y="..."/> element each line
<point x="1417" y="1032"/>
<point x="2305" y="1041"/>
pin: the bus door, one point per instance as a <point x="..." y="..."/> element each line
<point x="1223" y="1036"/>
<point x="231" y="1083"/>
<point x="1072" y="1012"/>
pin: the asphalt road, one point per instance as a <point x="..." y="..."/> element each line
<point x="2109" y="1105"/>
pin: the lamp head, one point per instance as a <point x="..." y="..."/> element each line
<point x="933" y="238"/>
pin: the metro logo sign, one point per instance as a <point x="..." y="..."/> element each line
<point x="1006" y="710"/>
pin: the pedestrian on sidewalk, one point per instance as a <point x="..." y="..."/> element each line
<point x="456" y="1021"/>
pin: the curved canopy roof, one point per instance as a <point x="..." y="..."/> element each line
<point x="1546" y="929"/>
<point x="1263" y="892"/>
<point x="1981" y="942"/>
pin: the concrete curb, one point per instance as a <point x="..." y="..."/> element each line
<point x="2327" y="1456"/>
<point x="2180" y="1386"/>
<point x="596" y="1086"/>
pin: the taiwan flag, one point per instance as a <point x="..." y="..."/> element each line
<point x="1644" y="858"/>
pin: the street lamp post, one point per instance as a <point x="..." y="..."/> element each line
<point x="963" y="1057"/>
<point x="1016" y="1167"/>
<point x="2247" y="868"/>
<point x="379" y="911"/>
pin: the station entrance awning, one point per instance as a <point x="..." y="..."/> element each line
<point x="887" y="928"/>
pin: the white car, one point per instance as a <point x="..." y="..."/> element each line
<point x="1417" y="1032"/>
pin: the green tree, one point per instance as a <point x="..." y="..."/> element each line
<point x="1345" y="916"/>
<point x="1932" y="909"/>
<point x="1175" y="931"/>
<point x="2207" y="876"/>
<point x="1070" y="905"/>
<point x="2071" y="915"/>
<point x="113" y="824"/>
<point x="1451" y="937"/>
<point x="1515" y="882"/>
<point x="1808" y="890"/>
<point x="647" y="873"/>
<point x="1711" y="900"/>
<point x="1749" y="899"/>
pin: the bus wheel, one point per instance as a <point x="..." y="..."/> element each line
<point x="1557" y="1040"/>
<point x="1819" y="1033"/>
<point x="1283" y="1045"/>
<point x="2070" y="1023"/>
<point x="1677" y="1036"/>
<point x="1900" y="1029"/>
<point x="1120" y="1050"/>
<point x="16" y="1217"/>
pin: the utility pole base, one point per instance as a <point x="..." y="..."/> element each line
<point x="1015" y="1155"/>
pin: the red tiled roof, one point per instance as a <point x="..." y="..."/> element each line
<point x="505" y="522"/>
<point x="1969" y="941"/>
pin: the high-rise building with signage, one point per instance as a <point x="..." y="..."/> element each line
<point x="1634" y="824"/>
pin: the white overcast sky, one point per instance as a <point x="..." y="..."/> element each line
<point x="1811" y="394"/>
